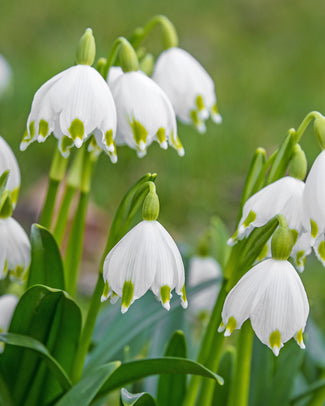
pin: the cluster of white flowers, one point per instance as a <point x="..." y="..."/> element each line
<point x="128" y="109"/>
<point x="271" y="294"/>
<point x="14" y="243"/>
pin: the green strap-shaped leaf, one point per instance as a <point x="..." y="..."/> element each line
<point x="18" y="340"/>
<point x="5" y="398"/>
<point x="138" y="399"/>
<point x="221" y="393"/>
<point x="83" y="393"/>
<point x="51" y="317"/>
<point x="135" y="370"/>
<point x="46" y="266"/>
<point x="171" y="388"/>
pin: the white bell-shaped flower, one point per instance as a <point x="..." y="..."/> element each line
<point x="145" y="258"/>
<point x="273" y="297"/>
<point x="14" y="249"/>
<point x="144" y="114"/>
<point x="281" y="197"/>
<point x="73" y="105"/>
<point x="188" y="86"/>
<point x="203" y="269"/>
<point x="5" y="75"/>
<point x="8" y="304"/>
<point x="314" y="198"/>
<point x="9" y="162"/>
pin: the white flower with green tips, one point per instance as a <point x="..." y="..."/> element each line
<point x="73" y="105"/>
<point x="14" y="249"/>
<point x="314" y="198"/>
<point x="144" y="114"/>
<point x="145" y="258"/>
<point x="114" y="72"/>
<point x="5" y="76"/>
<point x="281" y="197"/>
<point x="188" y="86"/>
<point x="273" y="297"/>
<point x="8" y="162"/>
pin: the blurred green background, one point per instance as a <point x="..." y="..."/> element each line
<point x="267" y="60"/>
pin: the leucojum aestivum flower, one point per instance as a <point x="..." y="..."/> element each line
<point x="248" y="282"/>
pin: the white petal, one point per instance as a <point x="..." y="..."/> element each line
<point x="14" y="247"/>
<point x="183" y="79"/>
<point x="5" y="75"/>
<point x="113" y="73"/>
<point x="301" y="250"/>
<point x="139" y="100"/>
<point x="9" y="162"/>
<point x="73" y="103"/>
<point x="314" y="194"/>
<point x="281" y="197"/>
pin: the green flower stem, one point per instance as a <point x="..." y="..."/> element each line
<point x="75" y="243"/>
<point x="113" y="54"/>
<point x="63" y="214"/>
<point x="57" y="172"/>
<point x="210" y="350"/>
<point x="304" y="124"/>
<point x="239" y="390"/>
<point x="170" y="37"/>
<point x="74" y="180"/>
<point x="88" y="329"/>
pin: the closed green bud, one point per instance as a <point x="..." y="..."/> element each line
<point x="319" y="128"/>
<point x="282" y="241"/>
<point x="147" y="63"/>
<point x="169" y="34"/>
<point x="150" y="207"/>
<point x="128" y="57"/>
<point x="298" y="163"/>
<point x="86" y="49"/>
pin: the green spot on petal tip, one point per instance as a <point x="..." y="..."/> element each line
<point x="127" y="295"/>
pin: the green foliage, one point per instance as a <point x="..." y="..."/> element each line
<point x="139" y="399"/>
<point x="171" y="388"/>
<point x="84" y="392"/>
<point x="46" y="265"/>
<point x="51" y="317"/>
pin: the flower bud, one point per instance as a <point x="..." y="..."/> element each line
<point x="150" y="207"/>
<point x="282" y="242"/>
<point x="128" y="58"/>
<point x="319" y="128"/>
<point x="147" y="63"/>
<point x="86" y="49"/>
<point x="298" y="163"/>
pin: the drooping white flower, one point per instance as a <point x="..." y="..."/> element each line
<point x="73" y="105"/>
<point x="5" y="75"/>
<point x="9" y="162"/>
<point x="203" y="269"/>
<point x="281" y="197"/>
<point x="314" y="198"/>
<point x="144" y="114"/>
<point x="188" y="86"/>
<point x="273" y="297"/>
<point x="8" y="304"/>
<point x="14" y="249"/>
<point x="145" y="258"/>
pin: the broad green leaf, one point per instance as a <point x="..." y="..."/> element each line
<point x="46" y="265"/>
<point x="84" y="392"/>
<point x="220" y="237"/>
<point x="135" y="370"/>
<point x="51" y="317"/>
<point x="138" y="399"/>
<point x="282" y="158"/>
<point x="171" y="388"/>
<point x="5" y="398"/>
<point x="18" y="340"/>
